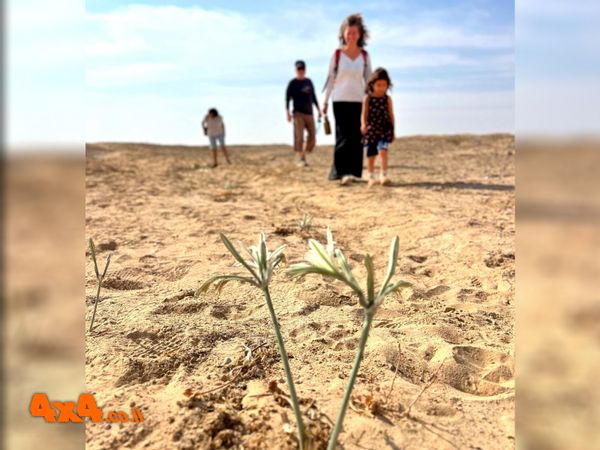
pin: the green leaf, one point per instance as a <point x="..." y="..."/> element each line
<point x="396" y="286"/>
<point x="93" y="253"/>
<point x="320" y="255"/>
<point x="277" y="251"/>
<point x="245" y="248"/>
<point x="276" y="257"/>
<point x="263" y="252"/>
<point x="349" y="276"/>
<point x="392" y="261"/>
<point x="107" y="264"/>
<point x="330" y="243"/>
<point x="301" y="269"/>
<point x="237" y="256"/>
<point x="370" y="280"/>
<point x="220" y="280"/>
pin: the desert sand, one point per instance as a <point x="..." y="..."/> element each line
<point x="443" y="347"/>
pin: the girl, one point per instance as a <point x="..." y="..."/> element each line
<point x="349" y="71"/>
<point x="214" y="128"/>
<point x="377" y="123"/>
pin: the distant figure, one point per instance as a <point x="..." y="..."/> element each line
<point x="302" y="92"/>
<point x="349" y="70"/>
<point x="214" y="128"/>
<point x="377" y="123"/>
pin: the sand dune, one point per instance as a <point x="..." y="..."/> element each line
<point x="159" y="210"/>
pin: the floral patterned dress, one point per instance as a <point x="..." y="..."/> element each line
<point x="379" y="122"/>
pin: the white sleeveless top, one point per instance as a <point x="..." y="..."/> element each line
<point x="349" y="83"/>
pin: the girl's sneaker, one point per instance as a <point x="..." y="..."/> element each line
<point x="385" y="181"/>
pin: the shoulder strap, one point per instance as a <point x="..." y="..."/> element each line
<point x="365" y="55"/>
<point x="338" y="53"/>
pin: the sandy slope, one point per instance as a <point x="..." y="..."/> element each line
<point x="157" y="345"/>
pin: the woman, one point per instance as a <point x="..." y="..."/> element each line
<point x="349" y="70"/>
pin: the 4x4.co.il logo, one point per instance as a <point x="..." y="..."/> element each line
<point x="86" y="407"/>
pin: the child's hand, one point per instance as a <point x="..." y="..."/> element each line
<point x="289" y="117"/>
<point x="363" y="129"/>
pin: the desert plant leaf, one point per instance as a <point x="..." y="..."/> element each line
<point x="99" y="278"/>
<point x="261" y="266"/>
<point x="330" y="262"/>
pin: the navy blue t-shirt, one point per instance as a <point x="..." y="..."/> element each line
<point x="302" y="92"/>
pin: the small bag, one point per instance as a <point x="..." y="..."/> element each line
<point x="327" y="126"/>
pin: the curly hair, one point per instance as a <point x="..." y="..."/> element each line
<point x="378" y="74"/>
<point x="213" y="112"/>
<point x="354" y="20"/>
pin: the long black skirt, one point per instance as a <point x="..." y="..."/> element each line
<point x="348" y="154"/>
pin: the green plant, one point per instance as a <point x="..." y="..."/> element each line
<point x="99" y="278"/>
<point x="261" y="265"/>
<point x="331" y="262"/>
<point x="305" y="223"/>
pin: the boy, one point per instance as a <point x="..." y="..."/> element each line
<point x="302" y="92"/>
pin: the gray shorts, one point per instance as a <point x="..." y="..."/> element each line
<point x="220" y="139"/>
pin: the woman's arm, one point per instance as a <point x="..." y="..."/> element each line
<point x="368" y="69"/>
<point x="330" y="82"/>
<point x="391" y="113"/>
<point x="364" y="115"/>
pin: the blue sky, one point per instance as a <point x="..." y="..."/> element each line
<point x="154" y="68"/>
<point x="151" y="69"/>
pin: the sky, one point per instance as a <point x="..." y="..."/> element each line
<point x="147" y="71"/>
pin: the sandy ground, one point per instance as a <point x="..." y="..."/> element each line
<point x="558" y="313"/>
<point x="158" y="211"/>
<point x="42" y="332"/>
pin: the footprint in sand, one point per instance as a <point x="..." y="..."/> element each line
<point x="122" y="284"/>
<point x="126" y="279"/>
<point x="472" y="295"/>
<point x="418" y="259"/>
<point x="469" y="369"/>
<point x="338" y="337"/>
<point x="450" y="334"/>
<point x="498" y="259"/>
<point x="180" y="308"/>
<point x="158" y="354"/>
<point x="478" y="371"/>
<point x="437" y="291"/>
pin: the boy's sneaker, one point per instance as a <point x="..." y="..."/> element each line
<point x="302" y="163"/>
<point x="385" y="181"/>
<point x="346" y="179"/>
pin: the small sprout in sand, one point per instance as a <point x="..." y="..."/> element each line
<point x="305" y="223"/>
<point x="261" y="264"/>
<point x="99" y="278"/>
<point x="331" y="262"/>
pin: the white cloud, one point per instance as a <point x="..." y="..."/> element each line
<point x="557" y="8"/>
<point x="113" y="76"/>
<point x="439" y="35"/>
<point x="248" y="46"/>
<point x="44" y="72"/>
<point x="151" y="71"/>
